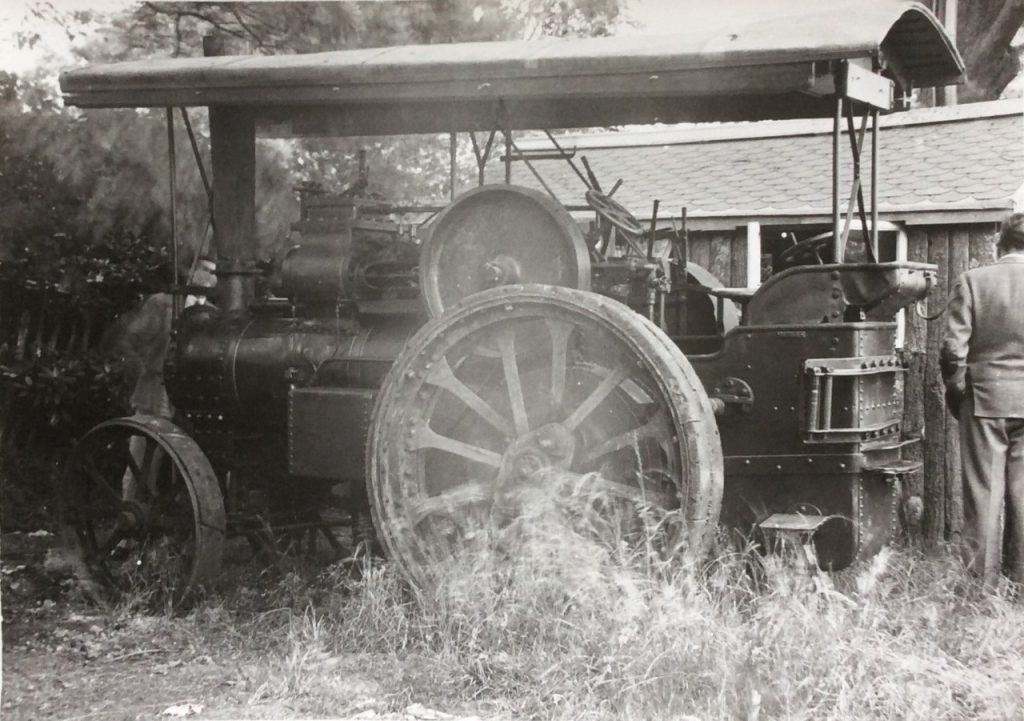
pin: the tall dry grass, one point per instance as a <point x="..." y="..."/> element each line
<point x="562" y="615"/>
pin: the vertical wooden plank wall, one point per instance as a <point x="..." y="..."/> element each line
<point x="721" y="257"/>
<point x="953" y="249"/>
<point x="723" y="253"/>
<point x="700" y="249"/>
<point x="738" y="275"/>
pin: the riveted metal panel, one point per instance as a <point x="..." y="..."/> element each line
<point x="327" y="431"/>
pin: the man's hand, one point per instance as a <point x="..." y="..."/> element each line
<point x="954" y="397"/>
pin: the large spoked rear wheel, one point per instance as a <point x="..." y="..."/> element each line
<point x="530" y="378"/>
<point x="142" y="509"/>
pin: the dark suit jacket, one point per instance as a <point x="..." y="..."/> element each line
<point x="983" y="349"/>
<point x="142" y="337"/>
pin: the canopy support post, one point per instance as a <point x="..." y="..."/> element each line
<point x="452" y="150"/>
<point x="481" y="155"/>
<point x="172" y="171"/>
<point x="874" y="181"/>
<point x="233" y="150"/>
<point x="837" y="120"/>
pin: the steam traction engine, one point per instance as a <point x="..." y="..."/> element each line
<point x="428" y="380"/>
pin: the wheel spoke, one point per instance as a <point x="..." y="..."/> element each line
<point x="133" y="465"/>
<point x="448" y="501"/>
<point x="426" y="437"/>
<point x="442" y="376"/>
<point x="594" y="482"/>
<point x="507" y="346"/>
<point x="98" y="479"/>
<point x="560" y="332"/>
<point x="599" y="394"/>
<point x="151" y="465"/>
<point x="653" y="428"/>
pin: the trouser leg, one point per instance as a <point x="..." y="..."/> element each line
<point x="983" y="446"/>
<point x="129" y="483"/>
<point x="1013" y="531"/>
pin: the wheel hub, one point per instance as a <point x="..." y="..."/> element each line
<point x="550" y="446"/>
<point x="133" y="515"/>
<point x="501" y="270"/>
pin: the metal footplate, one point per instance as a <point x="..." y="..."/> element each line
<point x="794" y="530"/>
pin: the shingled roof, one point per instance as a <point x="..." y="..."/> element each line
<point x="966" y="160"/>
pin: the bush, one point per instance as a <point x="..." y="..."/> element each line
<point x="57" y="296"/>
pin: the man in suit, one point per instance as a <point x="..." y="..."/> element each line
<point x="983" y="369"/>
<point x="142" y="337"/>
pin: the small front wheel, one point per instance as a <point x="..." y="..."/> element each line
<point x="140" y="505"/>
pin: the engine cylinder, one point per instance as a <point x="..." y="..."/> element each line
<point x="239" y="370"/>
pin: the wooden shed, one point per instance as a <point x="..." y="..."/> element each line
<point x="947" y="176"/>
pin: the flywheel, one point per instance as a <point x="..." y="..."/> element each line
<point x="517" y="381"/>
<point x="141" y="507"/>
<point x="498" y="235"/>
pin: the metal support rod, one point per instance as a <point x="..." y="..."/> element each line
<point x="874" y="181"/>
<point x="856" y="146"/>
<point x="199" y="163"/>
<point x="507" y="132"/>
<point x="857" y="187"/>
<point x="533" y="170"/>
<point x="682" y="258"/>
<point x="590" y="174"/>
<point x="172" y="171"/>
<point x="481" y="159"/>
<point x="452" y="148"/>
<point x="654" y="230"/>
<point x="567" y="158"/>
<point x="837" y="241"/>
<point x="826" y="403"/>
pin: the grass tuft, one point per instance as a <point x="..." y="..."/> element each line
<point x="581" y="607"/>
<point x="562" y="614"/>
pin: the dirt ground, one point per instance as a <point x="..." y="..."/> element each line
<point x="66" y="659"/>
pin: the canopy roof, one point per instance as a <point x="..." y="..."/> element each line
<point x="760" y="67"/>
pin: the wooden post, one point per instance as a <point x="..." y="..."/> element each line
<point x="914" y="345"/>
<point x="959" y="260"/>
<point x="739" y="273"/>
<point x="753" y="279"/>
<point x="934" y="401"/>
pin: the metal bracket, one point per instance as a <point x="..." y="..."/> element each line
<point x="799" y="530"/>
<point x="734" y="394"/>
